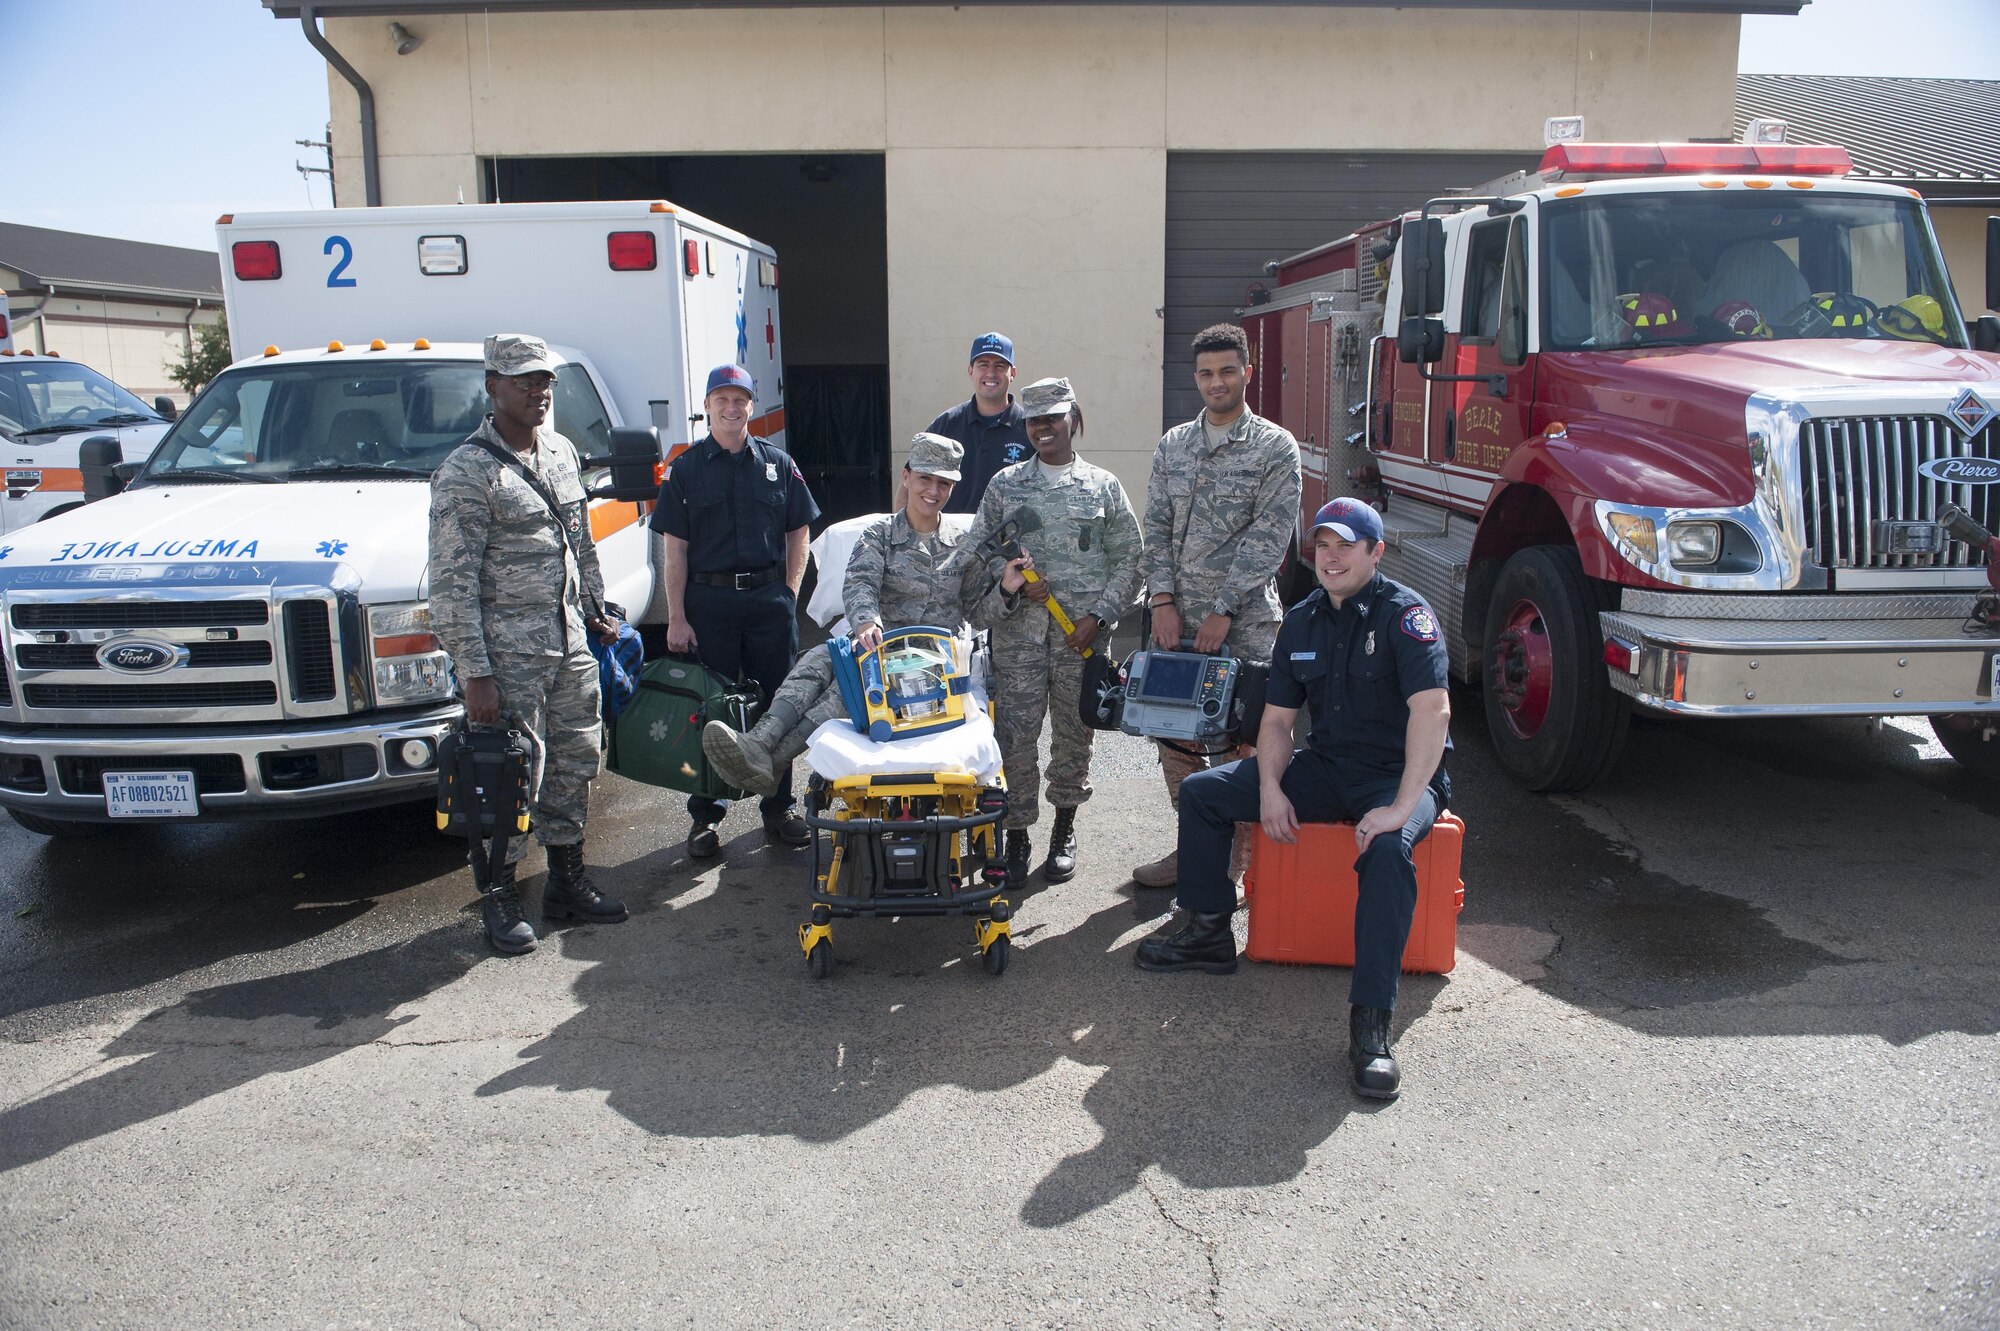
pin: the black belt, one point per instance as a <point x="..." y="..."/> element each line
<point x="741" y="582"/>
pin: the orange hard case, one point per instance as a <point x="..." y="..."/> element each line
<point x="1302" y="898"/>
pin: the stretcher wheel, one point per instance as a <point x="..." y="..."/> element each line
<point x="995" y="955"/>
<point x="820" y="960"/>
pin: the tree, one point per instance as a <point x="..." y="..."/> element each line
<point x="207" y="356"/>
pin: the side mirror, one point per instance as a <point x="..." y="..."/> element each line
<point x="633" y="455"/>
<point x="1986" y="333"/>
<point x="1420" y="341"/>
<point x="1993" y="263"/>
<point x="166" y="408"/>
<point x="1423" y="267"/>
<point x="99" y="459"/>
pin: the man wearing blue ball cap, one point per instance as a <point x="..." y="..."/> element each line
<point x="988" y="425"/>
<point x="1366" y="654"/>
<point x="735" y="513"/>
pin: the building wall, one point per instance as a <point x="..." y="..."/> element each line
<point x="1025" y="148"/>
<point x="132" y="343"/>
<point x="1961" y="233"/>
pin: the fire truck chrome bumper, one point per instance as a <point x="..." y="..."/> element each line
<point x="1804" y="667"/>
<point x="284" y="773"/>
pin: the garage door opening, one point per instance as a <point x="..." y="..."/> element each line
<point x="1228" y="214"/>
<point x="824" y="214"/>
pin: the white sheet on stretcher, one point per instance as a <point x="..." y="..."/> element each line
<point x="837" y="749"/>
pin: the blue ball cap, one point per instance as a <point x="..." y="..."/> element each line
<point x="730" y="376"/>
<point x="992" y="344"/>
<point x="1350" y="519"/>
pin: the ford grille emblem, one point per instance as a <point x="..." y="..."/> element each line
<point x="1962" y="471"/>
<point x="1970" y="412"/>
<point x="138" y="658"/>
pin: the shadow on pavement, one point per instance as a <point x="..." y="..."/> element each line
<point x="1848" y="881"/>
<point x="182" y="1059"/>
<point x="714" y="1029"/>
<point x="122" y="911"/>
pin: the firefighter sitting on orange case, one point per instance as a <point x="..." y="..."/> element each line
<point x="1367" y="655"/>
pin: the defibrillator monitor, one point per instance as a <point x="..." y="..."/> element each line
<point x="1178" y="695"/>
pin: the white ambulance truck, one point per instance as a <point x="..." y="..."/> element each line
<point x="242" y="631"/>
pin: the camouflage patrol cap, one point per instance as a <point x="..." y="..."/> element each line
<point x="517" y="353"/>
<point x="935" y="455"/>
<point x="1047" y="397"/>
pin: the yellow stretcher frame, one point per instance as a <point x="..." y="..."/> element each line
<point x="956" y="839"/>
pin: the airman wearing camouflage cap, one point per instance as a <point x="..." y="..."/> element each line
<point x="906" y="569"/>
<point x="514" y="354"/>
<point x="515" y="587"/>
<point x="935" y="455"/>
<point x="1048" y="397"/>
<point x="1086" y="550"/>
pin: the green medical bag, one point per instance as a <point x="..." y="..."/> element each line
<point x="657" y="738"/>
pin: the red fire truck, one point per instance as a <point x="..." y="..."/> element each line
<point x="1664" y="427"/>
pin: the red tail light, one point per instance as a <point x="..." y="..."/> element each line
<point x="632" y="251"/>
<point x="256" y="260"/>
<point x="691" y="257"/>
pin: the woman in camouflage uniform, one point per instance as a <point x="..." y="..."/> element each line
<point x="907" y="569"/>
<point x="1086" y="549"/>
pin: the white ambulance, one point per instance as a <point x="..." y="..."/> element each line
<point x="50" y="409"/>
<point x="243" y="631"/>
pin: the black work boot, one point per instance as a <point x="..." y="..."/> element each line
<point x="1375" y="1073"/>
<point x="1019" y="851"/>
<point x="788" y="829"/>
<point x="570" y="892"/>
<point x="1205" y="942"/>
<point x="1060" y="866"/>
<point x="500" y="910"/>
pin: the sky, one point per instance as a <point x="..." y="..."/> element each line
<point x="201" y="119"/>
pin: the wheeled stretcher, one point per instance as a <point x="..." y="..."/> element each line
<point x="912" y="815"/>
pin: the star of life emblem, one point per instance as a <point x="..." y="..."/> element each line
<point x="1970" y="412"/>
<point x="658" y="732"/>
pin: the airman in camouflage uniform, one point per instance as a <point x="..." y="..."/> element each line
<point x="511" y="601"/>
<point x="906" y="570"/>
<point x="1221" y="508"/>
<point x="1086" y="551"/>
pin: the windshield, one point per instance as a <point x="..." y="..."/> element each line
<point x="1681" y="268"/>
<point x="53" y="396"/>
<point x="326" y="418"/>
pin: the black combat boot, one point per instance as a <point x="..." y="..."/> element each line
<point x="1019" y="851"/>
<point x="500" y="910"/>
<point x="1060" y="866"/>
<point x="788" y="829"/>
<point x="1205" y="942"/>
<point x="570" y="892"/>
<point x="1375" y="1073"/>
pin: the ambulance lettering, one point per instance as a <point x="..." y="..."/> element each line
<point x="78" y="552"/>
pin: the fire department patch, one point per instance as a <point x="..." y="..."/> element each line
<point x="1417" y="622"/>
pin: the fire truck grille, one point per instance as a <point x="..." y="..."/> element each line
<point x="248" y="693"/>
<point x="1862" y="472"/>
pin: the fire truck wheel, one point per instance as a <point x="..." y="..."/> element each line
<point x="56" y="827"/>
<point x="1557" y="723"/>
<point x="1964" y="738"/>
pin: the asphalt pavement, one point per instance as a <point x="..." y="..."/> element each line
<point x="1719" y="1050"/>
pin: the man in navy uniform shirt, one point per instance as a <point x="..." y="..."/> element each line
<point x="988" y="425"/>
<point x="736" y="514"/>
<point x="1365" y="654"/>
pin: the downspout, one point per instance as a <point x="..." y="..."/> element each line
<point x="371" y="178"/>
